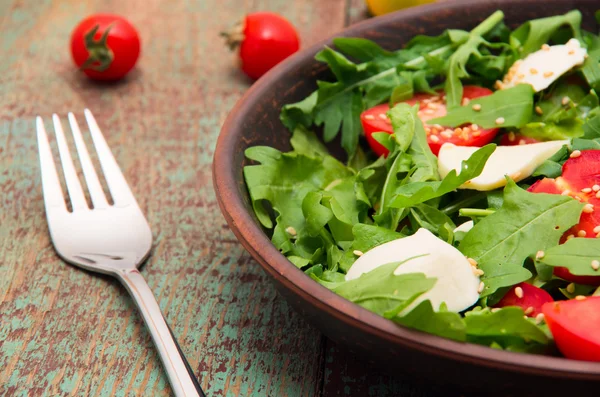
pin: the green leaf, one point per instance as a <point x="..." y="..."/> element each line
<point x="506" y="327"/>
<point x="576" y="254"/>
<point x="306" y="142"/>
<point x="434" y="220"/>
<point x="443" y="323"/>
<point x="299" y="113"/>
<point x="420" y="192"/>
<point x="514" y="105"/>
<point x="526" y="223"/>
<point x="458" y="61"/>
<point x="552" y="168"/>
<point x="530" y="36"/>
<point x="591" y="69"/>
<point x="367" y="237"/>
<point x="384" y="293"/>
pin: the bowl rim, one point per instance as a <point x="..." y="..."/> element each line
<point x="256" y="242"/>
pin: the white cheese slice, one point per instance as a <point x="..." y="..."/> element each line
<point x="518" y="162"/>
<point x="465" y="227"/>
<point x="543" y="67"/>
<point x="456" y="283"/>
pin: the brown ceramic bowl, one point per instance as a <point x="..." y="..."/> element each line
<point x="255" y="121"/>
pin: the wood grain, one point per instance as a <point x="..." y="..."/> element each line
<point x="66" y="332"/>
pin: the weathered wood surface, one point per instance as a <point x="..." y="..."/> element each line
<point x="66" y="332"/>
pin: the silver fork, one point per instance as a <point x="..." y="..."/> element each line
<point x="110" y="239"/>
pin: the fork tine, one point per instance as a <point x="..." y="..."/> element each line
<point x="91" y="178"/>
<point x="71" y="178"/>
<point x="119" y="189"/>
<point x="53" y="195"/>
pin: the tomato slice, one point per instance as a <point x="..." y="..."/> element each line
<point x="430" y="107"/>
<point x="512" y="139"/>
<point x="574" y="325"/>
<point x="531" y="300"/>
<point x="580" y="179"/>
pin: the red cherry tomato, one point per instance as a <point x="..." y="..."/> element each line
<point x="578" y="173"/>
<point x="265" y="39"/>
<point x="105" y="46"/>
<point x="512" y="139"/>
<point x="531" y="301"/>
<point x="574" y="325"/>
<point x="430" y="107"/>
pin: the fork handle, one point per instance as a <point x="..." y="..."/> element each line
<point x="182" y="379"/>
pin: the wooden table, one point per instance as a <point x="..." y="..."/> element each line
<point x="66" y="332"/>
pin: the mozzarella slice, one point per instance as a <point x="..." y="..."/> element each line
<point x="543" y="67"/>
<point x="518" y="162"/>
<point x="456" y="283"/>
<point x="465" y="227"/>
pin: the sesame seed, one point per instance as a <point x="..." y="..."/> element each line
<point x="571" y="52"/>
<point x="565" y="100"/>
<point x="597" y="229"/>
<point x="571" y="288"/>
<point x="539" y="318"/>
<point x="465" y="101"/>
<point x="511" y="136"/>
<point x="458" y="131"/>
<point x="472" y="262"/>
<point x="565" y="192"/>
<point x="529" y="310"/>
<point x="570" y="236"/>
<point x="596" y="188"/>
<point x="548" y="74"/>
<point x="496" y="309"/>
<point x="519" y="292"/>
<point x="481" y="287"/>
<point x="520" y="76"/>
<point x="575" y="154"/>
<point x="533" y="71"/>
<point x="476" y="107"/>
<point x="539" y="110"/>
<point x="358" y="253"/>
<point x="382" y="116"/>
<point x="439" y="127"/>
<point x="500" y="120"/>
<point x="291" y="230"/>
<point x="598" y="195"/>
<point x="522" y="142"/>
<point x="539" y="255"/>
<point x="466" y="130"/>
<point x="580" y="297"/>
<point x="588" y="208"/>
<point x="477" y="272"/>
<point x="577" y="198"/>
<point x="369" y="117"/>
<point x="581" y="233"/>
<point x="586" y="190"/>
<point x="474" y="127"/>
<point x="446" y="134"/>
<point x="499" y="85"/>
<point x="545" y="47"/>
<point x="434" y="138"/>
<point x="595" y="264"/>
<point x="432" y="106"/>
<point x="476" y="133"/>
<point x="598" y="235"/>
<point x="429" y="111"/>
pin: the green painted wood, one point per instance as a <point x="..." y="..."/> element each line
<point x="66" y="332"/>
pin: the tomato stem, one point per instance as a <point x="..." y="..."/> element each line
<point x="100" y="55"/>
<point x="235" y="35"/>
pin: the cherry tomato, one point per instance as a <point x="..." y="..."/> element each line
<point x="430" y="106"/>
<point x="105" y="46"/>
<point x="580" y="178"/>
<point x="265" y="39"/>
<point x="531" y="301"/>
<point x="574" y="325"/>
<point x="512" y="139"/>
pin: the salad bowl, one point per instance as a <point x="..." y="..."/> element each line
<point x="255" y="121"/>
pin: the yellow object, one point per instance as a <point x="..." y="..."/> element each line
<point x="380" y="7"/>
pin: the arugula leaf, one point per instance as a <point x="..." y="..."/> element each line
<point x="367" y="237"/>
<point x="458" y="61"/>
<point x="434" y="220"/>
<point x="560" y="121"/>
<point x="514" y="105"/>
<point x="420" y="192"/>
<point x="530" y="36"/>
<point x="526" y="223"/>
<point x="299" y="113"/>
<point x="326" y="278"/>
<point x="552" y="168"/>
<point x="576" y="254"/>
<point x="591" y="69"/>
<point x="384" y="293"/>
<point x="506" y="327"/>
<point x="443" y="323"/>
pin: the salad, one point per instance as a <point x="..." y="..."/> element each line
<point x="468" y="203"/>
